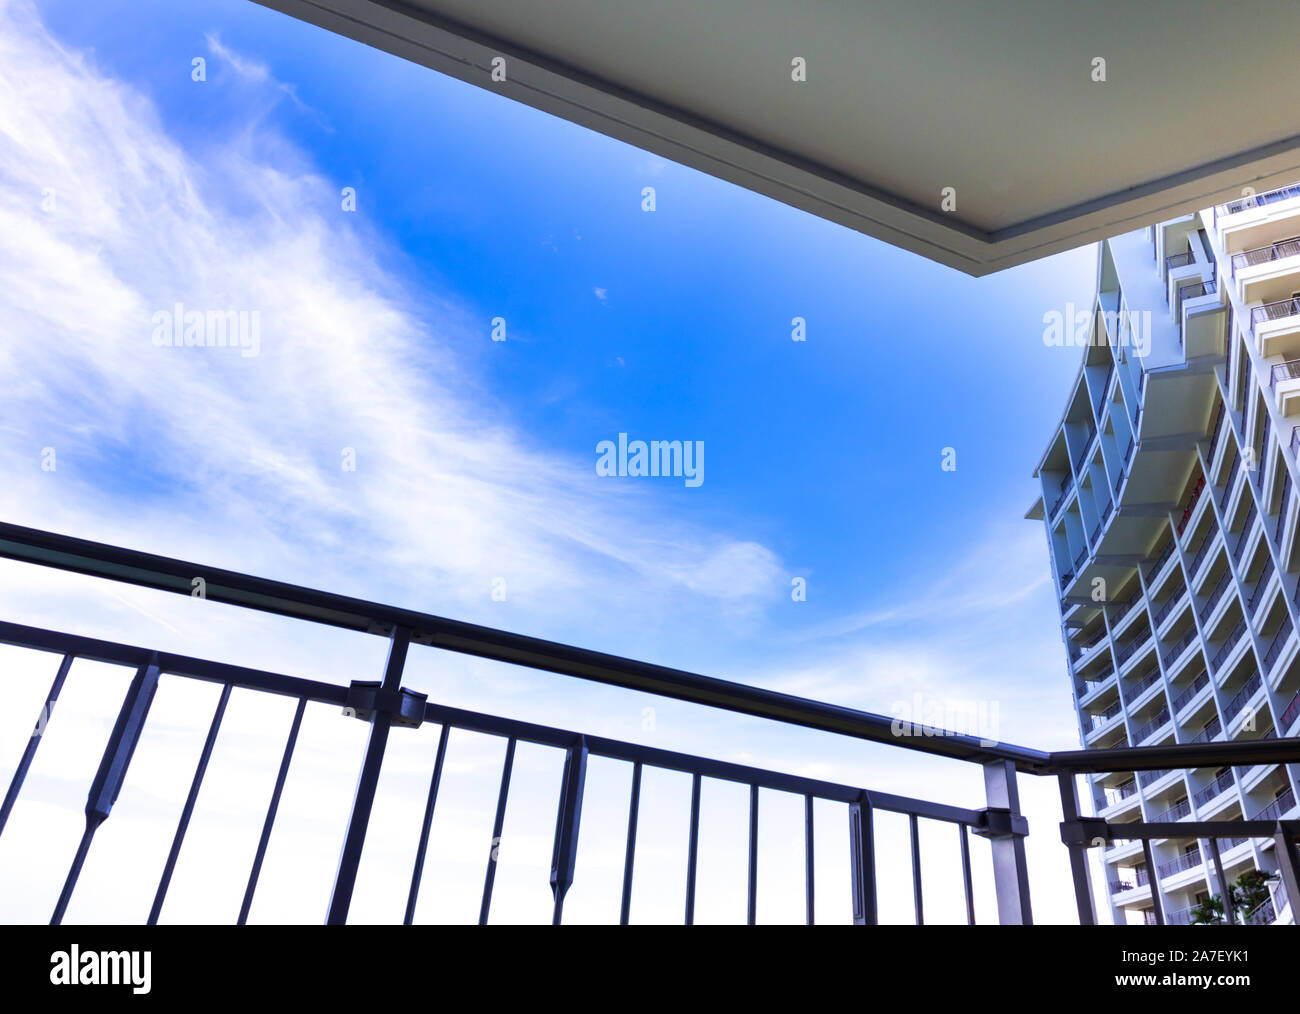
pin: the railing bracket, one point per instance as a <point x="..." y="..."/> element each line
<point x="367" y="698"/>
<point x="997" y="822"/>
<point x="1087" y="832"/>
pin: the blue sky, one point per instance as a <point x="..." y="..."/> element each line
<point x="475" y="459"/>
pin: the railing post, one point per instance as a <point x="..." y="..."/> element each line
<point x="1079" y="867"/>
<point x="381" y="720"/>
<point x="1153" y="879"/>
<point x="862" y="843"/>
<point x="1288" y="867"/>
<point x="1224" y="892"/>
<point x="1006" y="829"/>
<point x="564" y="856"/>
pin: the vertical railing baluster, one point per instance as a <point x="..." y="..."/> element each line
<point x="1078" y="853"/>
<point x="112" y="770"/>
<point x="498" y="825"/>
<point x="1154" y="880"/>
<point x="917" y="899"/>
<point x="271" y="811"/>
<point x="434" y="780"/>
<point x="693" y="849"/>
<point x="862" y="848"/>
<point x="363" y="801"/>
<point x="568" y="822"/>
<point x="187" y="811"/>
<point x="963" y="833"/>
<point x="752" y="913"/>
<point x="629" y="857"/>
<point x="38" y="733"/>
<point x="809" y="864"/>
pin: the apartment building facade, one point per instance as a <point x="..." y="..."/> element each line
<point x="1169" y="508"/>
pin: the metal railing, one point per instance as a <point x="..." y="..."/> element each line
<point x="1119" y="793"/>
<point x="1087" y="447"/>
<point x="1221" y="784"/>
<point x="1257" y="200"/>
<point x="1175" y="600"/>
<point x="1185" y="861"/>
<point x="1265" y="254"/>
<point x="1159" y="561"/>
<point x="1239" y="700"/>
<point x="1261" y="586"/>
<point x="1125" y="651"/>
<point x="1182" y="808"/>
<point x="1086" y="687"/>
<point x="1229" y="644"/>
<point x="1290" y="370"/>
<point x="1246" y="529"/>
<point x="388" y="707"/>
<point x="1199" y="558"/>
<point x="1102" y="718"/>
<point x="1291" y="712"/>
<point x="1147" y="728"/>
<point x="1215" y="596"/>
<point x="1189" y="692"/>
<point x="1178" y="647"/>
<point x="1234" y="473"/>
<point x="1179" y="260"/>
<point x="1192" y="499"/>
<point x="1205" y="287"/>
<point x="1280" y="638"/>
<point x="1277" y="310"/>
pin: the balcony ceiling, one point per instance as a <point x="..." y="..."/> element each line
<point x="902" y="99"/>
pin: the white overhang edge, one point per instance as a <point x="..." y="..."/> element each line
<point x="465" y="53"/>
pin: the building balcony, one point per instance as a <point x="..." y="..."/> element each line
<point x="1180" y="864"/>
<point x="1172" y="814"/>
<point x="1149" y="729"/>
<point x="1278" y="809"/>
<point x="1191" y="692"/>
<point x="1267" y="273"/>
<point x="1221" y="784"/>
<point x="1291" y="716"/>
<point x="1239" y="701"/>
<point x="1260" y="218"/>
<point x="1173" y="606"/>
<point x="1089" y="690"/>
<point x="1276" y="328"/>
<point x="1281" y="640"/>
<point x="1284" y="386"/>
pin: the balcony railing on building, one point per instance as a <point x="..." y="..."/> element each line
<point x="1229" y="645"/>
<point x="1278" y="310"/>
<point x="1186" y="861"/>
<point x="388" y="707"/>
<point x="1221" y="784"/>
<point x="1257" y="201"/>
<point x="1282" y="372"/>
<point x="1190" y="691"/>
<point x="1242" y="697"/>
<point x="1264" y="254"/>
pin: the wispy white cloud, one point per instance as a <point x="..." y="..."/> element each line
<point x="184" y="448"/>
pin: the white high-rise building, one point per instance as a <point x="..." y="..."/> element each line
<point x="1167" y="497"/>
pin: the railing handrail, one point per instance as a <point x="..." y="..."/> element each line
<point x="65" y="552"/>
<point x="1256" y="200"/>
